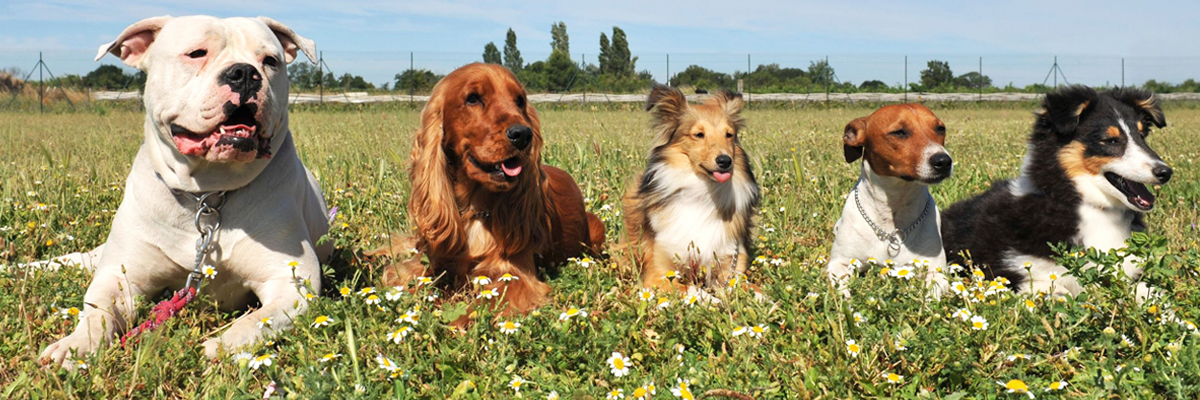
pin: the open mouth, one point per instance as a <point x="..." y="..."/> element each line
<point x="235" y="139"/>
<point x="1135" y="192"/>
<point x="510" y="168"/>
<point x="722" y="176"/>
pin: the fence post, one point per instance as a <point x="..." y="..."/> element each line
<point x="412" y="76"/>
<point x="321" y="78"/>
<point x="980" y="79"/>
<point x="669" y="69"/>
<point x="1122" y="71"/>
<point x="40" y="82"/>
<point x="905" y="79"/>
<point x="747" y="76"/>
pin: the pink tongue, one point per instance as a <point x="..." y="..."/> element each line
<point x="513" y="171"/>
<point x="721" y="176"/>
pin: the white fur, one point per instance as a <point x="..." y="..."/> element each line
<point x="1023" y="185"/>
<point x="886" y="201"/>
<point x="273" y="215"/>
<point x="690" y="229"/>
<point x="925" y="169"/>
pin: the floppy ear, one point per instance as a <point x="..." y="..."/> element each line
<point x="1063" y="107"/>
<point x="133" y="42"/>
<point x="291" y="41"/>
<point x="1143" y="101"/>
<point x="853" y="138"/>
<point x="667" y="105"/>
<point x="432" y="202"/>
<point x="731" y="103"/>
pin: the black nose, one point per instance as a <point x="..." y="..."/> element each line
<point x="242" y="79"/>
<point x="724" y="162"/>
<point x="1163" y="173"/>
<point x="941" y="163"/>
<point x="520" y="136"/>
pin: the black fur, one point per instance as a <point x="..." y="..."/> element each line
<point x="995" y="222"/>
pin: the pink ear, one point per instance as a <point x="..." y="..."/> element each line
<point x="133" y="42"/>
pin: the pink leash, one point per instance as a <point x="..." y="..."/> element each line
<point x="163" y="311"/>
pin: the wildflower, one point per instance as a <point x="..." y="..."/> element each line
<point x="899" y="345"/>
<point x="571" y="312"/>
<point x="263" y="360"/>
<point x="345" y="291"/>
<point x="663" y="303"/>
<point x="79" y="364"/>
<point x="854" y="263"/>
<point x="553" y="395"/>
<point x="309" y="296"/>
<point x="893" y="378"/>
<point x="386" y="363"/>
<point x="682" y="390"/>
<point x="321" y="320"/>
<point x="1016" y="386"/>
<point x="399" y="334"/>
<point x="812" y="295"/>
<point x="1030" y="305"/>
<point x="586" y="262"/>
<point x="1018" y="356"/>
<point x="954" y="268"/>
<point x="1053" y="276"/>
<point x="903" y="271"/>
<point x="329" y="357"/>
<point x="67" y="313"/>
<point x="979" y="323"/>
<point x="1125" y="340"/>
<point x="738" y="331"/>
<point x="366" y="291"/>
<point x="978" y="274"/>
<point x="616" y="394"/>
<point x="852" y="348"/>
<point x="757" y="331"/>
<point x="872" y="261"/>
<point x="486" y="294"/>
<point x="411" y="316"/>
<point x="885" y="271"/>
<point x="858" y="318"/>
<point x="959" y="288"/>
<point x="481" y="280"/>
<point x="516" y="383"/>
<point x="619" y="364"/>
<point x="646" y="294"/>
<point x="508" y="327"/>
<point x="265" y="323"/>
<point x="508" y="278"/>
<point x="690" y="300"/>
<point x="962" y="313"/>
<point x="431" y="297"/>
<point x="761" y="259"/>
<point x="373" y="300"/>
<point x="1056" y="386"/>
<point x="671" y="275"/>
<point x="425" y="280"/>
<point x="644" y="391"/>
<point x="733" y="282"/>
<point x="209" y="272"/>
<point x="776" y="261"/>
<point x="394" y="294"/>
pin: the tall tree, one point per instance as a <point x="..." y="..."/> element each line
<point x="619" y="56"/>
<point x="512" y="56"/>
<point x="936" y="73"/>
<point x="491" y="54"/>
<point x="605" y="52"/>
<point x="821" y="73"/>
<point x="559" y="41"/>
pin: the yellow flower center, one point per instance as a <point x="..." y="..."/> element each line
<point x="618" y="363"/>
<point x="853" y="348"/>
<point x="1017" y="385"/>
<point x="639" y="392"/>
<point x="757" y="329"/>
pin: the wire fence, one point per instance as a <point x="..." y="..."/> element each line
<point x="1009" y="74"/>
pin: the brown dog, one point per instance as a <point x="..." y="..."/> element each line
<point x="483" y="202"/>
<point x="690" y="212"/>
<point x="890" y="215"/>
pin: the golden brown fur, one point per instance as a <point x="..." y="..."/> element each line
<point x="476" y="218"/>
<point x="687" y="212"/>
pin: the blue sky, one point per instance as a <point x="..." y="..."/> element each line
<point x="863" y="39"/>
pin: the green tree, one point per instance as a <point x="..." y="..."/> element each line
<point x="512" y="56"/>
<point x="416" y="80"/>
<point x="559" y="41"/>
<point x="619" y="59"/>
<point x="821" y="73"/>
<point x="560" y="71"/>
<point x="873" y="86"/>
<point x="307" y="76"/>
<point x="972" y="80"/>
<point x="110" y="77"/>
<point x="354" y="82"/>
<point x="702" y="78"/>
<point x="491" y="54"/>
<point x="605" y="51"/>
<point x="936" y="74"/>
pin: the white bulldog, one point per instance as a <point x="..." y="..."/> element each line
<point x="216" y="120"/>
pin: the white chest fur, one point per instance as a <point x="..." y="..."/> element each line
<point x="693" y="222"/>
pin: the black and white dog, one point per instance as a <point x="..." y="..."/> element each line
<point x="1083" y="182"/>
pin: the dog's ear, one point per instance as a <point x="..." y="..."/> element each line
<point x="432" y="203"/>
<point x="666" y="102"/>
<point x="853" y="138"/>
<point x="132" y="43"/>
<point x="731" y="103"/>
<point x="1144" y="103"/>
<point x="1062" y="108"/>
<point x="292" y="43"/>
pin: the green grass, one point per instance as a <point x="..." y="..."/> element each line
<point x="61" y="177"/>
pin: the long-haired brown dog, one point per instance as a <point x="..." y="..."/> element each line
<point x="483" y="202"/>
<point x="691" y="210"/>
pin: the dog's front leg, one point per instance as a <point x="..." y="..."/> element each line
<point x="282" y="302"/>
<point x="522" y="294"/>
<point x="109" y="306"/>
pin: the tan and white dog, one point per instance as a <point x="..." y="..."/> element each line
<point x="216" y="120"/>
<point x="890" y="215"/>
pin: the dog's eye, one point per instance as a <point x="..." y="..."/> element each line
<point x="699" y="135"/>
<point x="198" y="53"/>
<point x="474" y="99"/>
<point x="899" y="133"/>
<point x="1111" y="141"/>
<point x="520" y="101"/>
<point x="941" y="131"/>
<point x="270" y="61"/>
<point x="728" y="135"/>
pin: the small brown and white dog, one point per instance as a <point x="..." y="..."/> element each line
<point x="483" y="202"/>
<point x="890" y="215"/>
<point x="690" y="212"/>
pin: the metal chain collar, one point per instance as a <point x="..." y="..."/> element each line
<point x="207" y="220"/>
<point x="897" y="237"/>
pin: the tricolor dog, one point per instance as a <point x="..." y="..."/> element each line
<point x="1083" y="182"/>
<point x="216" y="128"/>
<point x="890" y="215"/>
<point x="689" y="214"/>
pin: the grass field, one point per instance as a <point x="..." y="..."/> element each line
<point x="61" y="178"/>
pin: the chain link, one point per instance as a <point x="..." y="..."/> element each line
<point x="897" y="237"/>
<point x="207" y="221"/>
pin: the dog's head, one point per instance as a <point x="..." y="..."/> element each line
<point x="215" y="88"/>
<point x="1099" y="140"/>
<point x="707" y="133"/>
<point x="905" y="141"/>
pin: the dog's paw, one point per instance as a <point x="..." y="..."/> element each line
<point x="64" y="351"/>
<point x="233" y="339"/>
<point x="702" y="296"/>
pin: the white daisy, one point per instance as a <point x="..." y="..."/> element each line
<point x="619" y="364"/>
